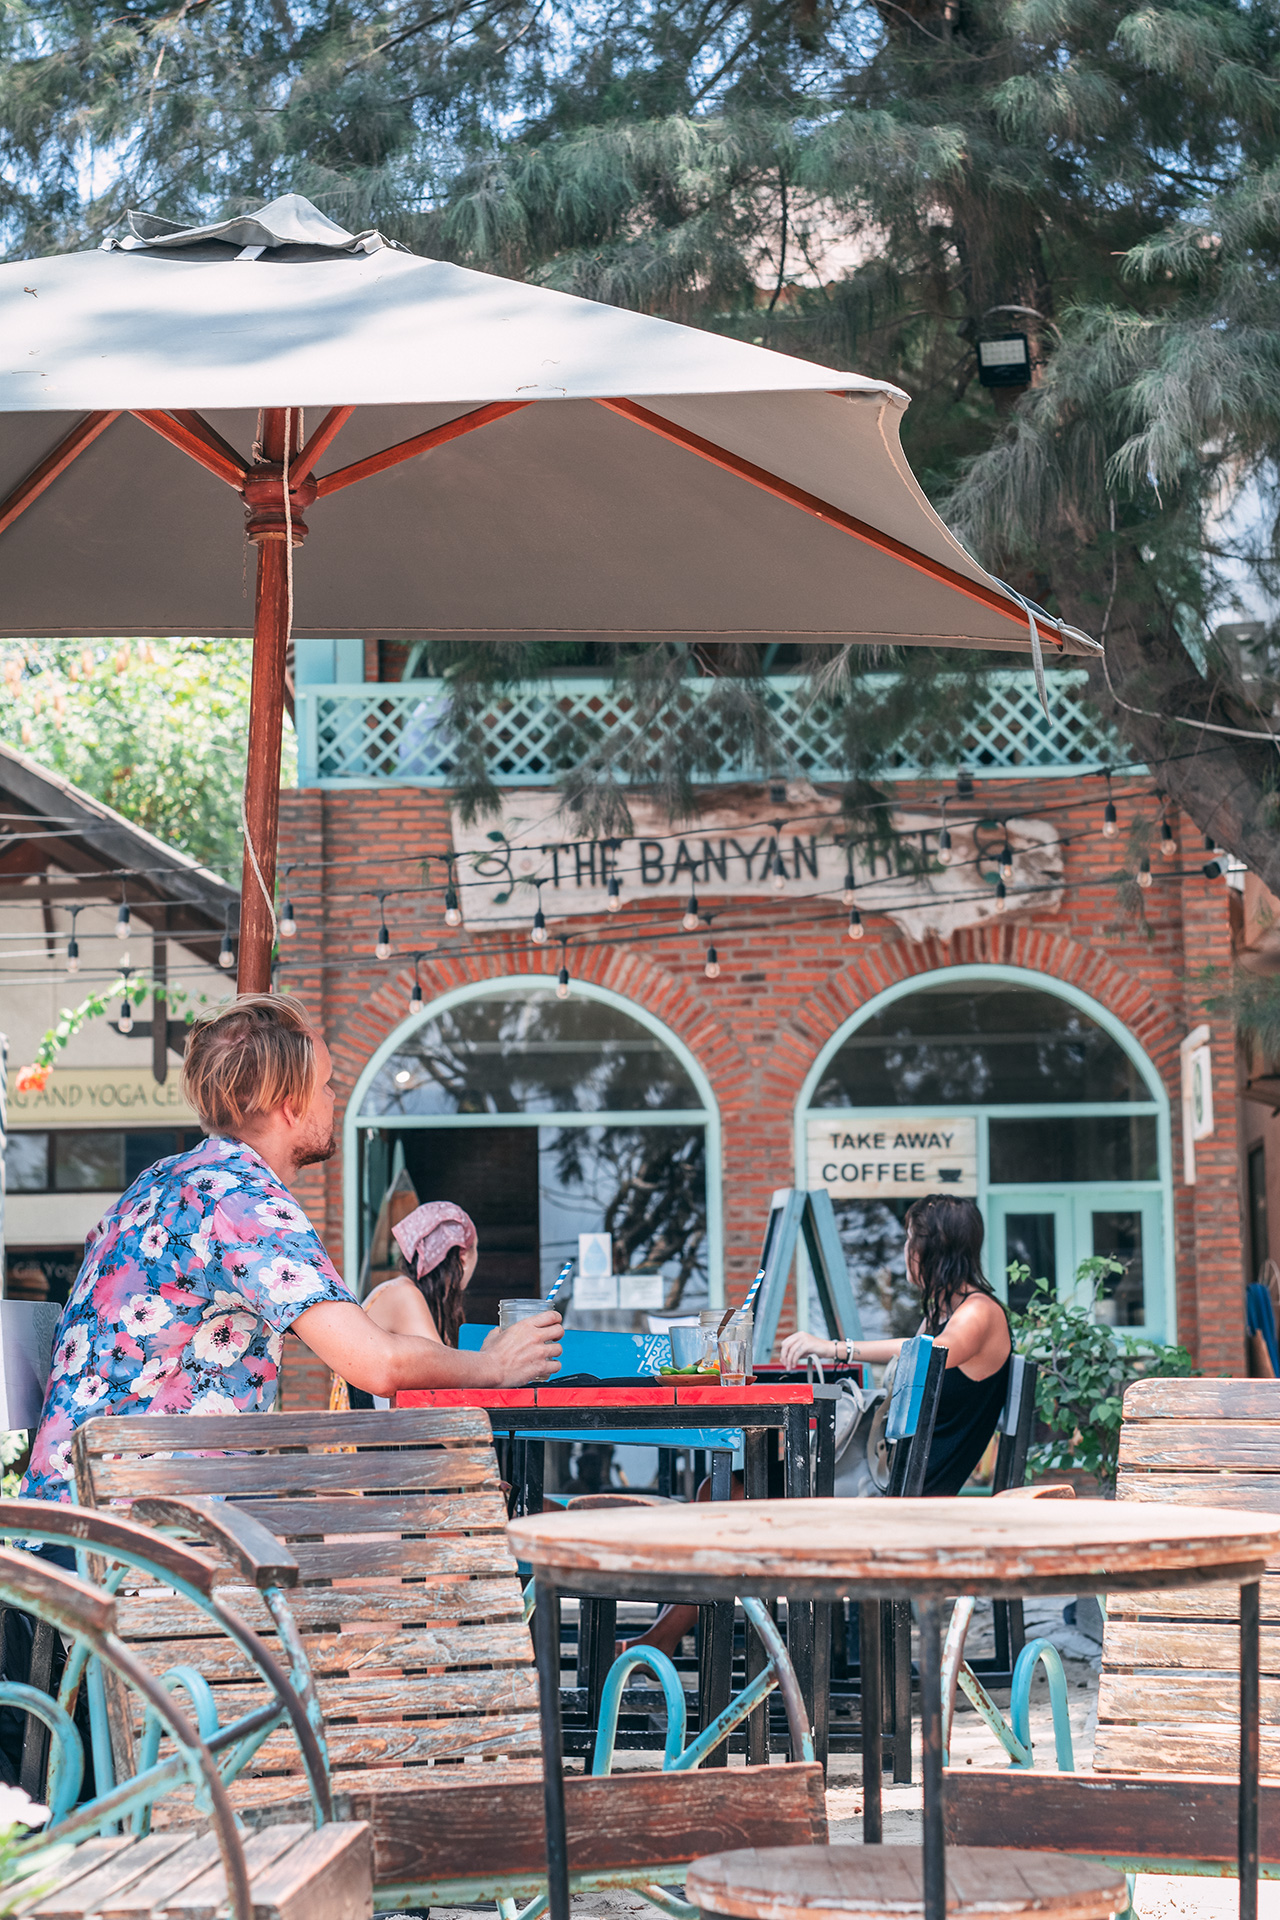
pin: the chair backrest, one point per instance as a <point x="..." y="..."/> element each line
<point x="409" y="1601"/>
<point x="1168" y="1699"/>
<point x="913" y="1413"/>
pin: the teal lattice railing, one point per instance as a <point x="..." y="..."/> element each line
<point x="378" y="735"/>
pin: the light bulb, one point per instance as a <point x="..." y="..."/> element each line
<point x="779" y="873"/>
<point x="614" y="902"/>
<point x="539" y="935"/>
<point x="1144" y="873"/>
<point x="288" y="926"/>
<point x="562" y="984"/>
<point x="847" y="897"/>
<point x="226" y="952"/>
<point x="1168" y="845"/>
<point x="856" y="928"/>
<point x="73" y="956"/>
<point x="690" y="921"/>
<point x="944" y="847"/>
<point x="452" y="911"/>
<point x="1109" y="826"/>
<point x="122" y="921"/>
<point x="125" y="1022"/>
<point x="383" y="949"/>
<point x="415" y="998"/>
<point x="1001" y="896"/>
<point x="1006" y="862"/>
<point x="712" y="967"/>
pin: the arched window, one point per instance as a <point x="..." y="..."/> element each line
<point x="545" y="1119"/>
<point x="1018" y="1091"/>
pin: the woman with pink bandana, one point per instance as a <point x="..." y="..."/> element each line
<point x="438" y="1244"/>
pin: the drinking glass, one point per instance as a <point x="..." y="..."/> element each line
<point x="509" y="1311"/>
<point x="735" y="1356"/>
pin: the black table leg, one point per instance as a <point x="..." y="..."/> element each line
<point x="798" y="1483"/>
<point x="546" y="1642"/>
<point x="900" y="1613"/>
<point x="1250" y="1756"/>
<point x="871" y="1704"/>
<point x="755" y="1481"/>
<point x="717" y="1630"/>
<point x="935" y="1860"/>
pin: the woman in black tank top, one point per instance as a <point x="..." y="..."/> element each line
<point x="961" y="1311"/>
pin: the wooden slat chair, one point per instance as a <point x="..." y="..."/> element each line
<point x="1163" y="1786"/>
<point x="410" y="1611"/>
<point x="304" y="1871"/>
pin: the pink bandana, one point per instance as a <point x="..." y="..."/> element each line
<point x="426" y="1235"/>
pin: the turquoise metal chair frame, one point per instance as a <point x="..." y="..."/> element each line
<point x="778" y="1673"/>
<point x="99" y="1536"/>
<point x="87" y="1615"/>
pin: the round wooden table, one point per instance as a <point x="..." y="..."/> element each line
<point x="872" y="1550"/>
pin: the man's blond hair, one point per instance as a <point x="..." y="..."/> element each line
<point x="248" y="1058"/>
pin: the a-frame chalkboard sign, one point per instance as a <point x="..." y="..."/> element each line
<point x="793" y="1212"/>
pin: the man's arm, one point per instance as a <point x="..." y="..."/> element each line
<point x="368" y="1357"/>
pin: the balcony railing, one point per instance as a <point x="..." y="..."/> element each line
<point x="397" y="735"/>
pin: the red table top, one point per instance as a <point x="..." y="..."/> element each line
<point x="721" y="1398"/>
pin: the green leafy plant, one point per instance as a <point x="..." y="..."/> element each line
<point x="135" y="985"/>
<point x="1084" y="1367"/>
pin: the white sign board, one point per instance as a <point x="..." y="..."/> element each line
<point x="599" y="1293"/>
<point x="102" y="1097"/>
<point x="897" y="1159"/>
<point x="532" y="857"/>
<point x="1197" y="1097"/>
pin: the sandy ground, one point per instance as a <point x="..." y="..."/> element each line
<point x="1156" y="1896"/>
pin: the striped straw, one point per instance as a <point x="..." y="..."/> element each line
<point x="559" y="1281"/>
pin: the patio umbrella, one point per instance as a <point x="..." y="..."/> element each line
<point x="596" y="473"/>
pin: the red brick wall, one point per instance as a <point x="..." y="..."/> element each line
<point x="784" y="990"/>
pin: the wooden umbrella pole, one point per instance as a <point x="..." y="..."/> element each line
<point x="270" y="528"/>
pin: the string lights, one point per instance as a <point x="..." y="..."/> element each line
<point x="613" y="903"/>
<point x="944" y="837"/>
<point x="382" y="951"/>
<point x="452" y="911"/>
<point x="125" y="1022"/>
<point x="562" y="978"/>
<point x="1168" y="842"/>
<point x="415" y="997"/>
<point x="226" y="952"/>
<point x="1006" y="859"/>
<point x="122" y="917"/>
<point x="73" y="945"/>
<point x="1002" y="895"/>
<point x="539" y="935"/>
<point x="1110" y="824"/>
<point x="690" y="921"/>
<point x="711" y="966"/>
<point x="856" y="928"/>
<point x="1144" y="873"/>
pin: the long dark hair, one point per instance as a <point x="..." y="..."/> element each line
<point x="946" y="1235"/>
<point x="443" y="1289"/>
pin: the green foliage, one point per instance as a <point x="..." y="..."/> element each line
<point x="135" y="986"/>
<point x="155" y="728"/>
<point x="12" y="1447"/>
<point x="1084" y="1368"/>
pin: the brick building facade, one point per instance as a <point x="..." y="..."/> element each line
<point x="789" y="982"/>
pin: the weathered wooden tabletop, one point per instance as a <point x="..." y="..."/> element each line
<point x="826" y="1548"/>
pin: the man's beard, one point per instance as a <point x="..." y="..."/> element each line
<point x="312" y="1155"/>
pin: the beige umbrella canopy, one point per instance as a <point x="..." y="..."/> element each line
<point x="591" y="473"/>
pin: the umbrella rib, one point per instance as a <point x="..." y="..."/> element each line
<point x="421" y="443"/>
<point x="822" y="510"/>
<point x="207" y="448"/>
<point x="318" y="444"/>
<point x="197" y="424"/>
<point x="82" y="435"/>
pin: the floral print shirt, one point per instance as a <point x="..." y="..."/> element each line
<point x="187" y="1289"/>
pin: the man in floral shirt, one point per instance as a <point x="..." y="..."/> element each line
<point x="192" y="1280"/>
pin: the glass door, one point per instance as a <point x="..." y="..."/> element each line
<point x="1125" y="1227"/>
<point x="1035" y="1229"/>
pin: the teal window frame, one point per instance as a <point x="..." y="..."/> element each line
<point x="1161" y="1300"/>
<point x="706" y="1116"/>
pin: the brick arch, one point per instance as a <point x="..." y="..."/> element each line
<point x="669" y="997"/>
<point x="1156" y="1024"/>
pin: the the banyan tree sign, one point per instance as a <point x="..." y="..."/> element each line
<point x="746" y="845"/>
<point x="893" y="1159"/>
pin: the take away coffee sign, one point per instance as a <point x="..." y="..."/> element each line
<point x="894" y="1159"/>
